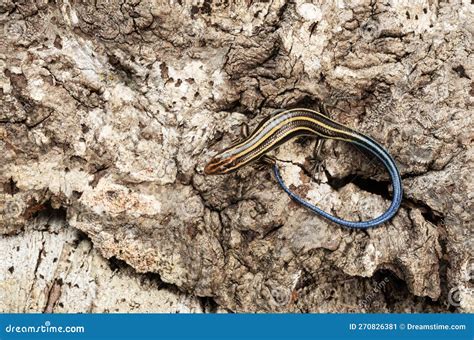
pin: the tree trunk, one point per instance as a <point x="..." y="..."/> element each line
<point x="109" y="113"/>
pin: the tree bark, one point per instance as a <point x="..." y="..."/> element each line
<point x="109" y="113"/>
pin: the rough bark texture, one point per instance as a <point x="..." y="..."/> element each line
<point x="109" y="111"/>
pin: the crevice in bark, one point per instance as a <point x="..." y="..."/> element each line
<point x="307" y="101"/>
<point x="396" y="293"/>
<point x="434" y="217"/>
<point x="117" y="265"/>
<point x="272" y="231"/>
<point x="306" y="279"/>
<point x="45" y="210"/>
<point x="208" y="304"/>
<point x="81" y="237"/>
<point x="366" y="184"/>
<point x="443" y="271"/>
<point x="394" y="289"/>
<point x="461" y="71"/>
<point x="10" y="187"/>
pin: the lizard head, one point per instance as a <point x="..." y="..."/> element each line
<point x="221" y="164"/>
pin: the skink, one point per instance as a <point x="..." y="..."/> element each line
<point x="284" y="125"/>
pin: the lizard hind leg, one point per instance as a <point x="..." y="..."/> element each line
<point x="323" y="108"/>
<point x="316" y="160"/>
<point x="265" y="161"/>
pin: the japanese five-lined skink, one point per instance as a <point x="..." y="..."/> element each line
<point x="284" y="125"/>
